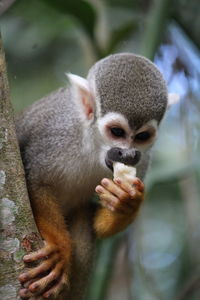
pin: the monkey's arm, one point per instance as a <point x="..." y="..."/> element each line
<point x="52" y="273"/>
<point x="121" y="202"/>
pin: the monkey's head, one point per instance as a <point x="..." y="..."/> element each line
<point x="123" y="101"/>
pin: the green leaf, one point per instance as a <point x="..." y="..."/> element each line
<point x="119" y="35"/>
<point x="80" y="9"/>
<point x="125" y="3"/>
<point x="106" y="255"/>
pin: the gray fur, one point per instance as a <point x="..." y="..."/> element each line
<point x="58" y="149"/>
<point x="50" y="134"/>
<point x="130" y="84"/>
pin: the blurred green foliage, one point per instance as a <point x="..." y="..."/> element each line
<point x="158" y="257"/>
<point x="81" y="10"/>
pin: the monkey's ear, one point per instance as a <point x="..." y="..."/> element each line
<point x="172" y="99"/>
<point x="83" y="96"/>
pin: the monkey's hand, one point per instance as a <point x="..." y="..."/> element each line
<point x="121" y="201"/>
<point x="52" y="272"/>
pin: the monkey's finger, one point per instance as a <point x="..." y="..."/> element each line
<point x="39" y="285"/>
<point x="27" y="283"/>
<point x="126" y="186"/>
<point x="131" y="187"/>
<point x="43" y="267"/>
<point x="139" y="185"/>
<point x="114" y="204"/>
<point x="125" y="193"/>
<point x="115" y="189"/>
<point x="25" y="294"/>
<point x="54" y="290"/>
<point x="135" y="196"/>
<point x="41" y="253"/>
<point x="123" y="199"/>
<point x="101" y="190"/>
<point x="108" y="196"/>
<point x="125" y="204"/>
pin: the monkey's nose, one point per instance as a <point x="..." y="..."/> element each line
<point x="126" y="156"/>
<point x="131" y="157"/>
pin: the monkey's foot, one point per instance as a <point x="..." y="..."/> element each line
<point x="49" y="277"/>
<point x="124" y="197"/>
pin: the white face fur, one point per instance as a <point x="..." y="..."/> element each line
<point x="116" y="132"/>
<point x="113" y="127"/>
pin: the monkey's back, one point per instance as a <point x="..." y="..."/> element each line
<point x="47" y="131"/>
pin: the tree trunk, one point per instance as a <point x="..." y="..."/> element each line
<point x="19" y="234"/>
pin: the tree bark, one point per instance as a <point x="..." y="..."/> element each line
<point x="19" y="234"/>
<point x="5" y="4"/>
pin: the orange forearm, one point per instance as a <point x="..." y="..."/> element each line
<point x="108" y="223"/>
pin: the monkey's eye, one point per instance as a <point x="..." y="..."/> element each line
<point x="118" y="132"/>
<point x="143" y="136"/>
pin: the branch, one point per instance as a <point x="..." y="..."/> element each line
<point x="19" y="234"/>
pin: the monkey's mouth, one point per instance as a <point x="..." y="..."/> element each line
<point x="109" y="163"/>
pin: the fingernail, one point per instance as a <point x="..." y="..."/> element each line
<point x="99" y="189"/>
<point x="23" y="277"/>
<point x="23" y="292"/>
<point x="26" y="257"/>
<point x="105" y="182"/>
<point x="136" y="181"/>
<point x="47" y="295"/>
<point x="118" y="180"/>
<point x="34" y="287"/>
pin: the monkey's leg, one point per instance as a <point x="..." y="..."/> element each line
<point x="121" y="202"/>
<point x="49" y="277"/>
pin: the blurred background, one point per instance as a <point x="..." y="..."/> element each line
<point x="157" y="258"/>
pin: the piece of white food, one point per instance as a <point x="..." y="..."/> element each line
<point x="123" y="171"/>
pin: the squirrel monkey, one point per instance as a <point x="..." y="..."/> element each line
<point x="69" y="141"/>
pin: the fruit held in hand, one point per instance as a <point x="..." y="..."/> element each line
<point x="123" y="171"/>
